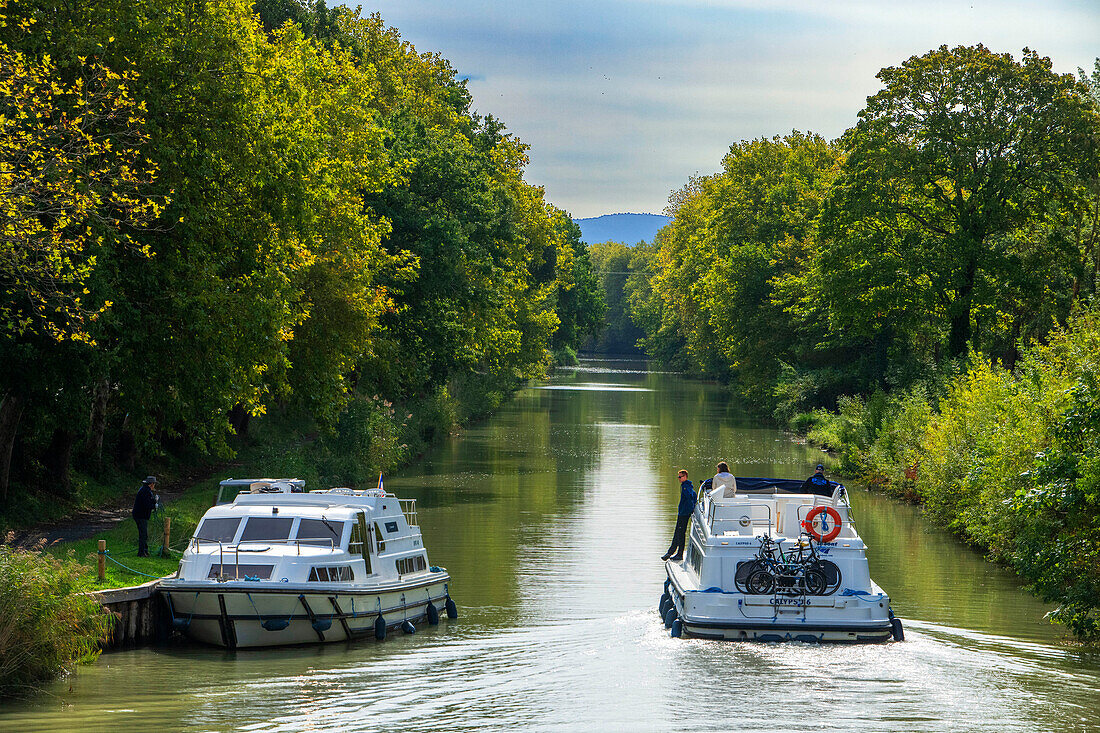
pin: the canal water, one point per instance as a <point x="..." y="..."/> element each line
<point x="552" y="517"/>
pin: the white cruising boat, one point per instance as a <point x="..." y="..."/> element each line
<point x="767" y="561"/>
<point x="272" y="564"/>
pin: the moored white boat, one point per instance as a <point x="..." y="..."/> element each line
<point x="274" y="565"/>
<point x="770" y="562"/>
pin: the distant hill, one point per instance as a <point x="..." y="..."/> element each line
<point x="626" y="228"/>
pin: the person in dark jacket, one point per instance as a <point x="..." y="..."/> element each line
<point x="144" y="504"/>
<point x="817" y="483"/>
<point x="683" y="512"/>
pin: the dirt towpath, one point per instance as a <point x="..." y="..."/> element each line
<point x="85" y="523"/>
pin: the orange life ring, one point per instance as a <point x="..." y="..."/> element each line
<point x="808" y="524"/>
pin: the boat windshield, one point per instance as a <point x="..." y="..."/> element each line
<point x="320" y="532"/>
<point x="272" y="529"/>
<point x="218" y="529"/>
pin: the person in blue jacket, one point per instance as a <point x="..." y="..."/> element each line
<point x="817" y="481"/>
<point x="144" y="504"/>
<point x="687" y="506"/>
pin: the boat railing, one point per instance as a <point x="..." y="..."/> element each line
<point x="409" y="536"/>
<point x="231" y="488"/>
<point x="844" y="510"/>
<point x="742" y="516"/>
<point x="408" y="508"/>
<point x="196" y="544"/>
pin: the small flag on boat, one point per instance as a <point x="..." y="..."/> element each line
<point x="380" y="488"/>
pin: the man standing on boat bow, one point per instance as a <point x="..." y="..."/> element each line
<point x="687" y="506"/>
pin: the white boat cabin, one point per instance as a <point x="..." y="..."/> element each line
<point x="274" y="530"/>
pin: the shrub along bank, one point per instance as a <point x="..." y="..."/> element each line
<point x="1009" y="460"/>
<point x="45" y="626"/>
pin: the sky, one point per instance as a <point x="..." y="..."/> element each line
<point x="622" y="101"/>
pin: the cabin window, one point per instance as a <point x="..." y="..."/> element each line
<point x="221" y="529"/>
<point x="411" y="564"/>
<point x="337" y="573"/>
<point x="241" y="572"/>
<point x="271" y="529"/>
<point x="695" y="559"/>
<point x="320" y="532"/>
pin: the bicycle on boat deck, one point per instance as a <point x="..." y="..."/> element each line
<point x="795" y="572"/>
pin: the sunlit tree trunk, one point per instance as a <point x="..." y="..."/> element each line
<point x="11" y="409"/>
<point x="97" y="425"/>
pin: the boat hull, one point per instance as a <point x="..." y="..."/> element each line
<point x="243" y="614"/>
<point x="775" y="631"/>
<point x="840" y="618"/>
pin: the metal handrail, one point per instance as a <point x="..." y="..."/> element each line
<point x="237" y="550"/>
<point x="298" y="540"/>
<point x="846" y="507"/>
<point x="408" y="508"/>
<point x="710" y="521"/>
<point x="410" y="535"/>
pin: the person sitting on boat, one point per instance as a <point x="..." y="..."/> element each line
<point x="723" y="485"/>
<point x="817" y="483"/>
<point x="683" y="514"/>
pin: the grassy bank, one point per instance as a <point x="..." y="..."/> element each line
<point x="1008" y="460"/>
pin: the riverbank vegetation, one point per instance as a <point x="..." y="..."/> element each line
<point x="223" y="213"/>
<point x="919" y="295"/>
<point x="45" y="625"/>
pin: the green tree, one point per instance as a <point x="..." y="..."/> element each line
<point x="611" y="263"/>
<point x="580" y="304"/>
<point x="732" y="240"/>
<point x="75" y="189"/>
<point x="959" y="150"/>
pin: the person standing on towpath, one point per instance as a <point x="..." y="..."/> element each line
<point x="144" y="504"/>
<point x="687" y="506"/>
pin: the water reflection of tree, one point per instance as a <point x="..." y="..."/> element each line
<point x="932" y="576"/>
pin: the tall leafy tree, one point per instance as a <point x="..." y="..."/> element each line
<point x="580" y="304"/>
<point x="75" y="189"/>
<point x="960" y="149"/>
<point x="729" y="243"/>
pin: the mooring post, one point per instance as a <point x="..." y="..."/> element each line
<point x="167" y="533"/>
<point x="102" y="560"/>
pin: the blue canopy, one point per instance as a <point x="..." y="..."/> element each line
<point x="782" y="486"/>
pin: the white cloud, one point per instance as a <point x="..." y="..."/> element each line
<point x="622" y="101"/>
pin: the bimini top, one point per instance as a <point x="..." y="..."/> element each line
<point x="280" y="490"/>
<point x="230" y="488"/>
<point x="747" y="485"/>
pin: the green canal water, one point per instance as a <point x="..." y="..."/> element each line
<point x="551" y="518"/>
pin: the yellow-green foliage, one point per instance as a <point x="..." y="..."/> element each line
<point x="45" y="627"/>
<point x="1055" y="526"/>
<point x="1010" y="461"/>
<point x="977" y="449"/>
<point x="255" y="207"/>
<point x="895" y="455"/>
